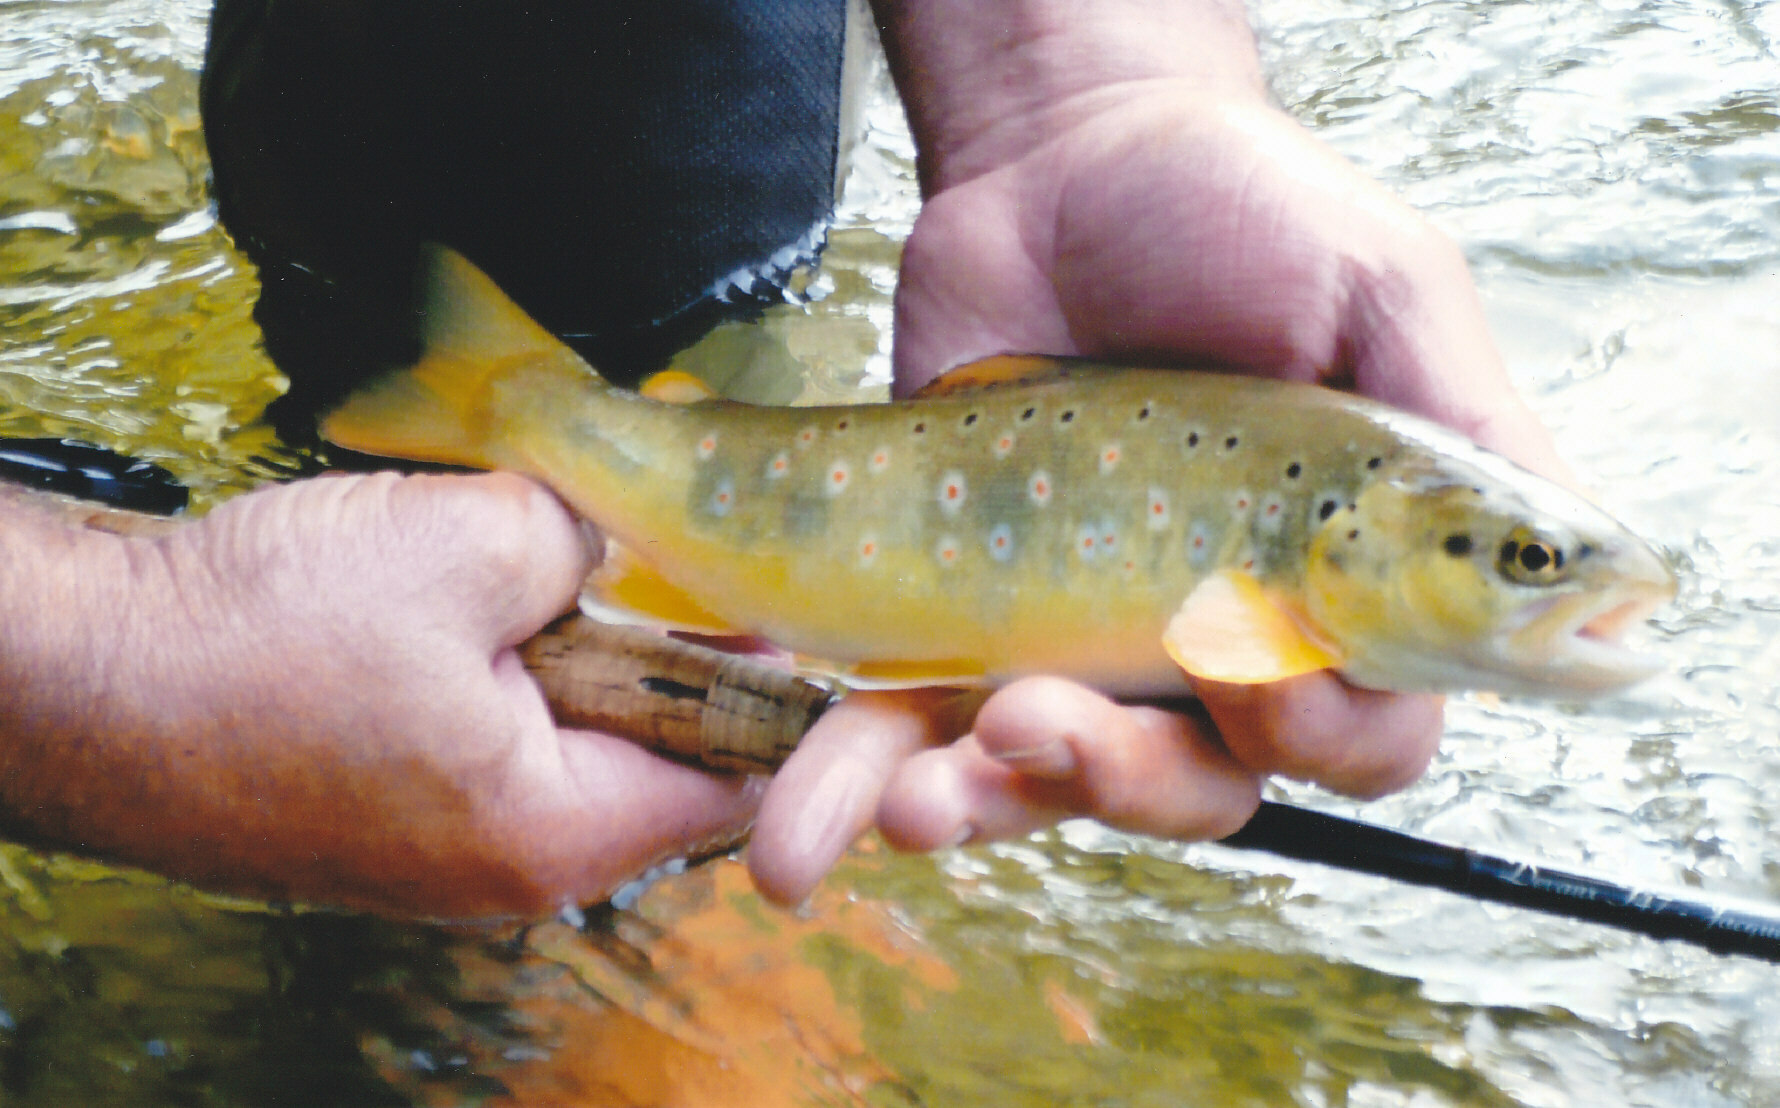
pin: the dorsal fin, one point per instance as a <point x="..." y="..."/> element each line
<point x="998" y="372"/>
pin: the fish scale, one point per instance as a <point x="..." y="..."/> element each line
<point x="1124" y="527"/>
<point x="842" y="536"/>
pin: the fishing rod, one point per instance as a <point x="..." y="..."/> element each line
<point x="737" y="714"/>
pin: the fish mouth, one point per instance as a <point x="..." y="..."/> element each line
<point x="1578" y="639"/>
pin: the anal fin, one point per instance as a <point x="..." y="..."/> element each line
<point x="625" y="589"/>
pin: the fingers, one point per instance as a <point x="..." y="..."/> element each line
<point x="1044" y="749"/>
<point x="630" y="809"/>
<point x="1421" y="342"/>
<point x="513" y="555"/>
<point x="827" y="794"/>
<point x="1318" y="728"/>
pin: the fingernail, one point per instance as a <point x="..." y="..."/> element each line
<point x="1052" y="759"/>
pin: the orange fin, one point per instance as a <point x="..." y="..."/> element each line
<point x="676" y="386"/>
<point x="439" y="409"/>
<point x="952" y="673"/>
<point x="1000" y="371"/>
<point x="1230" y="629"/>
<point x="625" y="589"/>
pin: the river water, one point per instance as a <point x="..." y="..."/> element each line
<point x="1613" y="172"/>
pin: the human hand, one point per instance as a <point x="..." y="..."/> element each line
<point x="311" y="695"/>
<point x="1109" y="180"/>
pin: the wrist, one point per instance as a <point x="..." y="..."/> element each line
<point x="67" y="599"/>
<point x="986" y="83"/>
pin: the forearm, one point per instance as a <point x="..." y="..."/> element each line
<point x="983" y="81"/>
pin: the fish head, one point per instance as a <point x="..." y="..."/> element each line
<point x="1444" y="575"/>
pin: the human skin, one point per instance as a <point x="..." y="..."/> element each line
<point x="311" y="693"/>
<point x="1109" y="179"/>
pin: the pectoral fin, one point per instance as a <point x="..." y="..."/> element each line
<point x="1230" y="629"/>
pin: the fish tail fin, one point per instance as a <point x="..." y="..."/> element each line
<point x="440" y="409"/>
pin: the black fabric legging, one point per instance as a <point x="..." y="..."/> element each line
<point x="608" y="162"/>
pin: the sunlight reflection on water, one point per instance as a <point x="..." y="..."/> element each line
<point x="1613" y="171"/>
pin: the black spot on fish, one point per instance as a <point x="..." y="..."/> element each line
<point x="1230" y="443"/>
<point x="1294" y="470"/>
<point x="1584" y="550"/>
<point x="1374" y="463"/>
<point x="841" y="426"/>
<point x="1508" y="551"/>
<point x="1143" y="412"/>
<point x="970" y="420"/>
<point x="1192" y="438"/>
<point x="1028" y="414"/>
<point x="1067" y="417"/>
<point x="1352" y="535"/>
<point x="920" y="428"/>
<point x="1557" y="558"/>
<point x="1457" y="545"/>
<point x="1326" y="509"/>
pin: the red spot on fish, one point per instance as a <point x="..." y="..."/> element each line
<point x="1273" y="509"/>
<point x="838" y="476"/>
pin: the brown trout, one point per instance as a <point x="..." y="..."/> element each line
<point x="1122" y="527"/>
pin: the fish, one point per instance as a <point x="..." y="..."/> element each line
<point x="1133" y="529"/>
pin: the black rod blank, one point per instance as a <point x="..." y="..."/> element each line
<point x="1311" y="836"/>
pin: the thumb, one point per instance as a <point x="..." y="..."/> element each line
<point x="511" y="554"/>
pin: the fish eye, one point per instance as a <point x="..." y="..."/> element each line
<point x="1530" y="559"/>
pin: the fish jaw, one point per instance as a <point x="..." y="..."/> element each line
<point x="1574" y="642"/>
